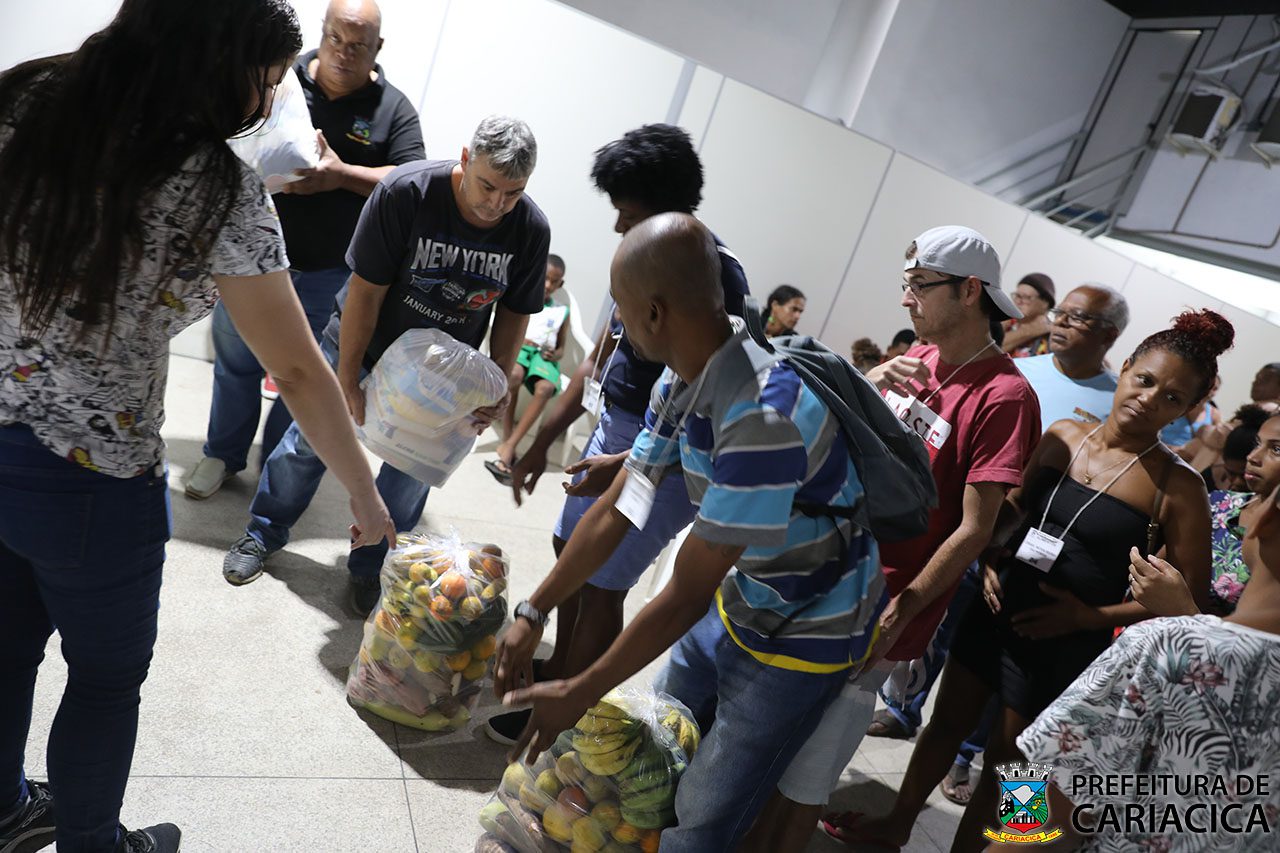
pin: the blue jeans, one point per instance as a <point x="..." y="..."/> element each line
<point x="762" y="716"/>
<point x="293" y="472"/>
<point x="237" y="375"/>
<point x="914" y="679"/>
<point x="81" y="551"/>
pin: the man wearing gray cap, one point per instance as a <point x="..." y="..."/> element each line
<point x="980" y="420"/>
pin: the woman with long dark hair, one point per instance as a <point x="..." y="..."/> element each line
<point x="123" y="217"/>
<point x="1050" y="605"/>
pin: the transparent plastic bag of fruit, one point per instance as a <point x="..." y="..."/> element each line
<point x="428" y="645"/>
<point x="609" y="783"/>
<point x="418" y="403"/>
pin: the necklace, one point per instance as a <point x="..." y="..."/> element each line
<point x="988" y="345"/>
<point x="1089" y="478"/>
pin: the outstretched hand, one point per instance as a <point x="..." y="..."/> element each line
<point x="557" y="706"/>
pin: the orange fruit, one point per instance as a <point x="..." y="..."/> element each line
<point x="458" y="662"/>
<point x="384" y="621"/>
<point x="484" y="649"/>
<point x="441" y="607"/>
<point x="625" y="833"/>
<point x="452" y="584"/>
<point x="649" y="841"/>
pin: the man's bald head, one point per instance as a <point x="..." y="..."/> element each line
<point x="360" y="13"/>
<point x="671" y="257"/>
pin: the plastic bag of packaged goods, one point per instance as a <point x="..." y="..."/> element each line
<point x="286" y="141"/>
<point x="427" y="645"/>
<point x="418" y="403"/>
<point x="608" y="783"/>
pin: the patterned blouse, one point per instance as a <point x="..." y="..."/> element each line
<point x="104" y="411"/>
<point x="1230" y="574"/>
<point x="1180" y="696"/>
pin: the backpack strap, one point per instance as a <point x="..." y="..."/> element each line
<point x="1153" y="526"/>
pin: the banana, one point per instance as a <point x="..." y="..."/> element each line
<point x="609" y="763"/>
<point x="645" y="819"/>
<point x="595" y="725"/>
<point x="654" y="799"/>
<point x="586" y="744"/>
<point x="609" y="706"/>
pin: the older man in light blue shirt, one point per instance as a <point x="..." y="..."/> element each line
<point x="1072" y="380"/>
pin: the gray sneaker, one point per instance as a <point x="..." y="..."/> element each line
<point x="243" y="563"/>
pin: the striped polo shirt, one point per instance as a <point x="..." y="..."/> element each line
<point x="807" y="592"/>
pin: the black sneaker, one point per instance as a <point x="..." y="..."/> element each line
<point x="362" y="595"/>
<point x="243" y="563"/>
<point x="506" y="728"/>
<point x="31" y="827"/>
<point x="161" y="838"/>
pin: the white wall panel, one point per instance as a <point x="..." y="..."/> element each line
<point x="914" y="198"/>
<point x="789" y="192"/>
<point x="1154" y="300"/>
<point x="700" y="102"/>
<point x="579" y="83"/>
<point x="1065" y="256"/>
<point x="1257" y="343"/>
<point x="54" y="26"/>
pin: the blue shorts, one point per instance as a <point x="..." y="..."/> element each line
<point x="672" y="512"/>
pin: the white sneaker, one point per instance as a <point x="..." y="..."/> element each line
<point x="206" y="478"/>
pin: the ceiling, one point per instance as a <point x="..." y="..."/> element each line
<point x="1193" y="8"/>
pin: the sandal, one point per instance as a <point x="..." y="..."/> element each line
<point x="956" y="785"/>
<point x="885" y="724"/>
<point x="499" y="470"/>
<point x="843" y="827"/>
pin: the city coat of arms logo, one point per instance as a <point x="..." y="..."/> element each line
<point x="1024" y="805"/>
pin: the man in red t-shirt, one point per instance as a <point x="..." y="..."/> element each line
<point x="980" y="420"/>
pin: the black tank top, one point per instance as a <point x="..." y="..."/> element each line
<point x="1094" y="563"/>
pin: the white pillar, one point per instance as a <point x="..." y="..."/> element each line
<point x="848" y="58"/>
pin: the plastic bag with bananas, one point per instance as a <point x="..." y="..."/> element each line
<point x="427" y="645"/>
<point x="608" y="784"/>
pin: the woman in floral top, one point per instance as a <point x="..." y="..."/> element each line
<point x="1159" y="587"/>
<point x="1184" y="696"/>
<point x="124" y="217"/>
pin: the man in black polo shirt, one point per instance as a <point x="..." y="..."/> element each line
<point x="366" y="127"/>
<point x="440" y="245"/>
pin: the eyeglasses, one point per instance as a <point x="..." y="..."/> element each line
<point x="917" y="289"/>
<point x="357" y="48"/>
<point x="1077" y="319"/>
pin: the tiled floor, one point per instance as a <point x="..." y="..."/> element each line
<point x="246" y="740"/>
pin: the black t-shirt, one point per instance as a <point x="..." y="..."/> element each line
<point x="443" y="272"/>
<point x="376" y="126"/>
<point x="629" y="380"/>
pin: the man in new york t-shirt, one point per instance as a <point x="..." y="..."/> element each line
<point x="442" y="245"/>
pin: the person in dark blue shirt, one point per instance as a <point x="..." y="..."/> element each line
<point x="650" y="170"/>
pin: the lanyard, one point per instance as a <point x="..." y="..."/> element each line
<point x="1097" y="494"/>
<point x="618" y="337"/>
<point x="953" y="373"/>
<point x="666" y="406"/>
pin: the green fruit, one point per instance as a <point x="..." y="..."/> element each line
<point x="569" y="769"/>
<point x="548" y="784"/>
<point x="513" y="777"/>
<point x="490" y="813"/>
<point x="649" y="819"/>
<point x="653" y="799"/>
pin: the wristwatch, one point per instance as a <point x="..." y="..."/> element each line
<point x="533" y="614"/>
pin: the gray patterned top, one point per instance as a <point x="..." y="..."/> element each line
<point x="103" y="407"/>
<point x="1181" y="696"/>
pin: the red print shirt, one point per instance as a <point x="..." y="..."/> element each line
<point x="980" y="427"/>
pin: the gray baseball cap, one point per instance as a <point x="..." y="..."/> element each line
<point x="956" y="250"/>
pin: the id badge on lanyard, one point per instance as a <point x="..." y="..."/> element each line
<point x="593" y="397"/>
<point x="1039" y="550"/>
<point x="922" y="420"/>
<point x="636" y="500"/>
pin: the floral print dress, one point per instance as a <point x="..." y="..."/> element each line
<point x="1230" y="573"/>
<point x="1181" y="696"/>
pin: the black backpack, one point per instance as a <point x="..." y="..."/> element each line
<point x="890" y="459"/>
